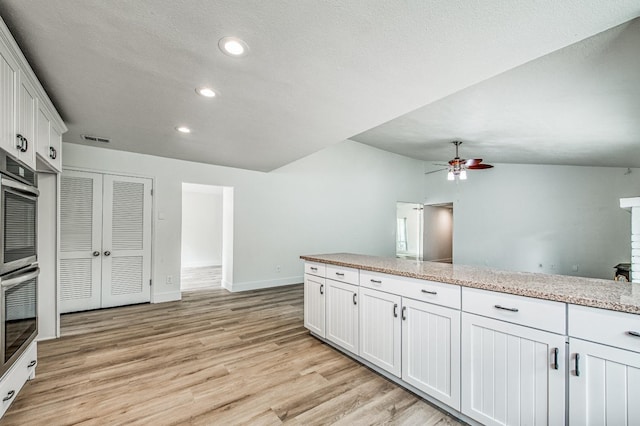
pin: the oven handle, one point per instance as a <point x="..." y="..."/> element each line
<point x="20" y="186"/>
<point x="12" y="282"/>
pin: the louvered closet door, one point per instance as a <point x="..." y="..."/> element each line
<point x="126" y="241"/>
<point x="80" y="238"/>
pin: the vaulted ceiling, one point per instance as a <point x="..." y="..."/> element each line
<point x="321" y="72"/>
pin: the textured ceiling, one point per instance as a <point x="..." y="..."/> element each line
<point x="318" y="72"/>
<point x="577" y="106"/>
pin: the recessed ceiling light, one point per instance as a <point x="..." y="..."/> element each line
<point x="183" y="129"/>
<point x="233" y="46"/>
<point x="206" y="92"/>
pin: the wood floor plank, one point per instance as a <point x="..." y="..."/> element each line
<point x="212" y="358"/>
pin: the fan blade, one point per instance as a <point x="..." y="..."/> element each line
<point x="479" y="166"/>
<point x="434" y="171"/>
<point x="472" y="162"/>
<point x="440" y="164"/>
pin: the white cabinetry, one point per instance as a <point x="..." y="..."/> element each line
<point x="604" y="381"/>
<point x="314" y="304"/>
<point x="381" y="329"/>
<point x="342" y="315"/>
<point x="431" y="350"/>
<point x="22" y="370"/>
<point x="49" y="140"/>
<point x="8" y="100"/>
<point x="511" y="374"/>
<point x="26" y="121"/>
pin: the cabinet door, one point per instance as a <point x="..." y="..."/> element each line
<point x="431" y="350"/>
<point x="314" y="304"/>
<point x="80" y="241"/>
<point x="511" y="374"/>
<point x="380" y="329"/>
<point x="342" y="315"/>
<point x="27" y="102"/>
<point x="126" y="240"/>
<point x="54" y="154"/>
<point x="43" y="126"/>
<point x="605" y="387"/>
<point x="8" y="101"/>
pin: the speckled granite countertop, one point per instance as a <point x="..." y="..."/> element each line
<point x="605" y="294"/>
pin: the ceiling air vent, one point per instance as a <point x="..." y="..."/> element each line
<point x="95" y="139"/>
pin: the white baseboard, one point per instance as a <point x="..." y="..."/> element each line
<point x="255" y="285"/>
<point x="166" y="297"/>
<point x="226" y="284"/>
<point x="201" y="264"/>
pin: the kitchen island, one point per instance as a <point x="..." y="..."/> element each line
<point x="489" y="346"/>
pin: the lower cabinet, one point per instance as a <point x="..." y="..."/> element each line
<point x="512" y="374"/>
<point x="342" y="315"/>
<point x="314" y="304"/>
<point x="431" y="350"/>
<point x="13" y="380"/>
<point x="380" y="329"/>
<point x="604" y="385"/>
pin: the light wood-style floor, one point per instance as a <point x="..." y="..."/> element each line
<point x="212" y="358"/>
<point x="205" y="277"/>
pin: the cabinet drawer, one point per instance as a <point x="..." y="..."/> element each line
<point x="312" y="268"/>
<point x="16" y="377"/>
<point x="611" y="328"/>
<point x="428" y="291"/>
<point x="346" y="275"/>
<point x="541" y="314"/>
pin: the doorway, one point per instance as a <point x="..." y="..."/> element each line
<point x="424" y="232"/>
<point x="207" y="237"/>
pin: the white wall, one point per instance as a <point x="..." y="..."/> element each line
<point x="438" y="234"/>
<point x="517" y="217"/>
<point x="201" y="228"/>
<point x="342" y="198"/>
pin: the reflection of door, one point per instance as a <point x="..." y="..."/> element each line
<point x="409" y="230"/>
<point x="105" y="240"/>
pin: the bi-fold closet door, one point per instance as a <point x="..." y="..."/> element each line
<point x="105" y="240"/>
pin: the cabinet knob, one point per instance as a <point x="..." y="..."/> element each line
<point x="404" y="313"/>
<point x="107" y="253"/>
<point x="633" y="333"/>
<point x="395" y="310"/>
<point x="53" y="154"/>
<point x="354" y="299"/>
<point x="96" y="253"/>
<point x="321" y="288"/>
<point x="577" y="364"/>
<point x="32" y="363"/>
<point x="555" y="365"/>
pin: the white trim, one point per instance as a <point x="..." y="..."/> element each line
<point x="201" y="264"/>
<point x="226" y="285"/>
<point x="166" y="297"/>
<point x="254" y="285"/>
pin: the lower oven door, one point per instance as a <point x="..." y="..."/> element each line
<point x="19" y="309"/>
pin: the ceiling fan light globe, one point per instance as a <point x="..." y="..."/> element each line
<point x="450" y="175"/>
<point x="463" y="175"/>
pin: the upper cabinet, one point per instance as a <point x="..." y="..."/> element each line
<point x="30" y="128"/>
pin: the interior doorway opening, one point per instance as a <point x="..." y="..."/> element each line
<point x="425" y="231"/>
<point x="207" y="237"/>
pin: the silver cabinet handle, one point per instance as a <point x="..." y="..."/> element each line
<point x="555" y="365"/>
<point x="633" y="333"/>
<point x="321" y="288"/>
<point x="10" y="395"/>
<point x="577" y="364"/>
<point x="395" y="310"/>
<point x="404" y="311"/>
<point x="429" y="292"/>
<point x="340" y="274"/>
<point x="354" y="299"/>
<point x="506" y="309"/>
<point x="32" y="363"/>
<point x="376" y="281"/>
<point x="107" y="253"/>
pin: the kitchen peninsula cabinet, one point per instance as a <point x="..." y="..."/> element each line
<point x="496" y="347"/>
<point x="342" y="315"/>
<point x="314" y="299"/>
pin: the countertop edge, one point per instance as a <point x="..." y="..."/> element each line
<point x="574" y="300"/>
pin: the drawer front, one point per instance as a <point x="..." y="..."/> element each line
<point x="313" y="268"/>
<point x="16" y="377"/>
<point x="428" y="291"/>
<point x="342" y="274"/>
<point x="611" y="328"/>
<point x="536" y="313"/>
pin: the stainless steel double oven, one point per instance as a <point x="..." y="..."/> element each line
<point x="18" y="259"/>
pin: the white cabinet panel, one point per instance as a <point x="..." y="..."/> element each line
<point x="8" y="101"/>
<point x="604" y="385"/>
<point x="314" y="304"/>
<point x="617" y="329"/>
<point x="510" y="375"/>
<point x="26" y="121"/>
<point x="381" y="329"/>
<point x="344" y="274"/>
<point x="431" y="350"/>
<point x="318" y="269"/>
<point x="342" y="315"/>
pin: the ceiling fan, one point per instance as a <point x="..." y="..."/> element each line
<point x="457" y="168"/>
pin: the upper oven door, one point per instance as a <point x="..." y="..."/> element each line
<point x="18" y="238"/>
